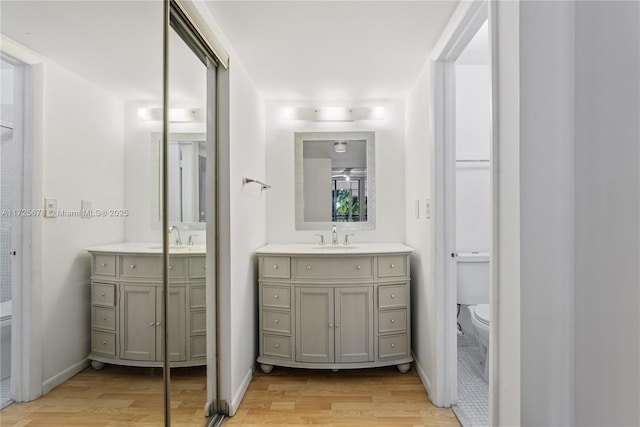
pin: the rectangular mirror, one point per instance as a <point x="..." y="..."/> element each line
<point x="335" y="180"/>
<point x="187" y="172"/>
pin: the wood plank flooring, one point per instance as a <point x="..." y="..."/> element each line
<point x="361" y="397"/>
<point x="115" y="396"/>
<point x="121" y="396"/>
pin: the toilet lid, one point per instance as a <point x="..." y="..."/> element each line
<point x="482" y="313"/>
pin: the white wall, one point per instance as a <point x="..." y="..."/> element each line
<point x="607" y="294"/>
<point x="420" y="232"/>
<point x="80" y="156"/>
<point x="390" y="159"/>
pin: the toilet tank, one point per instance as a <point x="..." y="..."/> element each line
<point x="473" y="278"/>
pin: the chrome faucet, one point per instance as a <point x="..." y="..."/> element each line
<point x="178" y="239"/>
<point x="334" y="236"/>
<point x="321" y="239"/>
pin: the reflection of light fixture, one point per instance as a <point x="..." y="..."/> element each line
<point x="347" y="174"/>
<point x="340" y="146"/>
<point x="176" y="115"/>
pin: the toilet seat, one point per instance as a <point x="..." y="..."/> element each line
<point x="481" y="313"/>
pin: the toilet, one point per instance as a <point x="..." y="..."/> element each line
<point x="480" y="321"/>
<point x="473" y="292"/>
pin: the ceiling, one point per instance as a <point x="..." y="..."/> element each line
<point x="291" y="49"/>
<point x="333" y="49"/>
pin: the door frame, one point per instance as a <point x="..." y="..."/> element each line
<point x="463" y="26"/>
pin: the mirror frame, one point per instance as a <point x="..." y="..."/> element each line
<point x="156" y="178"/>
<point x="369" y="138"/>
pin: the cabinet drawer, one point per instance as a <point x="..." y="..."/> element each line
<point x="276" y="321"/>
<point x="278" y="267"/>
<point x="198" y="322"/>
<point x="136" y="266"/>
<point x="277" y="346"/>
<point x="392" y="266"/>
<point x="334" y="268"/>
<point x="390" y="296"/>
<point x="197" y="297"/>
<point x="103" y="294"/>
<point x="198" y="267"/>
<point x="103" y="343"/>
<point x="276" y="296"/>
<point x="104" y="318"/>
<point x="104" y="265"/>
<point x="392" y="321"/>
<point x="392" y="346"/>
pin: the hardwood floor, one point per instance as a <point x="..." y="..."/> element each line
<point x="121" y="396"/>
<point x="361" y="397"/>
<point x="115" y="396"/>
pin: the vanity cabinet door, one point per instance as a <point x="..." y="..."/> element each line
<point x="177" y="325"/>
<point x="354" y="324"/>
<point x="138" y="322"/>
<point x="314" y="325"/>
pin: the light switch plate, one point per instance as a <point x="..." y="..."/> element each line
<point x="50" y="207"/>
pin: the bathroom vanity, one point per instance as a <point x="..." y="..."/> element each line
<point x="334" y="306"/>
<point x="126" y="305"/>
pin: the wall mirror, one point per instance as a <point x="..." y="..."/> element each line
<point x="187" y="174"/>
<point x="335" y="180"/>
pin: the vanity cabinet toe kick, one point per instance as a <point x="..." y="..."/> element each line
<point x="334" y="311"/>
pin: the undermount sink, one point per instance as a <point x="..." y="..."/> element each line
<point x="335" y="247"/>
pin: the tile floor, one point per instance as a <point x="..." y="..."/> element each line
<point x="472" y="409"/>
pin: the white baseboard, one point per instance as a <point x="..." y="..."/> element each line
<point x="423" y="377"/>
<point x="237" y="398"/>
<point x="63" y="376"/>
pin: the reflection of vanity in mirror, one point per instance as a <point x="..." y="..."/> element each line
<point x="335" y="180"/>
<point x="187" y="174"/>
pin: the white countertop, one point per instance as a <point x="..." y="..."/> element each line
<point x="328" y="249"/>
<point x="148" y="248"/>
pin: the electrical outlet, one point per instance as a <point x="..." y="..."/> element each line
<point x="50" y="207"/>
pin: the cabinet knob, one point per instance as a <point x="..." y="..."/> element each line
<point x="104" y="317"/>
<point x="276" y="296"/>
<point x="331" y="325"/>
<point x="393" y="346"/>
<point x="205" y="267"/>
<point x="276" y="345"/>
<point x="171" y="267"/>
<point x="152" y="324"/>
<point x="104" y="343"/>
<point x="158" y="323"/>
<point x="358" y="267"/>
<point x="393" y="266"/>
<point x="104" y="264"/>
<point x="275" y="267"/>
<point x="337" y="325"/>
<point x="276" y="321"/>
<point x="308" y="267"/>
<point x="132" y="266"/>
<point x="102" y="294"/>
<point x="393" y="320"/>
<point x="393" y="296"/>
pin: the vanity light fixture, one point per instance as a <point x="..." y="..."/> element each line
<point x="176" y="115"/>
<point x="340" y="146"/>
<point x="333" y="114"/>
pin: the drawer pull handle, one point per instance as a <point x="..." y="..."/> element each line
<point x="276" y="296"/>
<point x="275" y="267"/>
<point x="132" y="266"/>
<point x="393" y="296"/>
<point x="308" y="267"/>
<point x="393" y="320"/>
<point x="104" y="317"/>
<point x="102" y="294"/>
<point x="276" y="321"/>
<point x="393" y="266"/>
<point x="393" y="346"/>
<point x="358" y="267"/>
<point x="104" y="264"/>
<point x="276" y="345"/>
<point x="104" y="343"/>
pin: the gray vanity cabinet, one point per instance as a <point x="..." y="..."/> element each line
<point x="126" y="309"/>
<point x="335" y="312"/>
